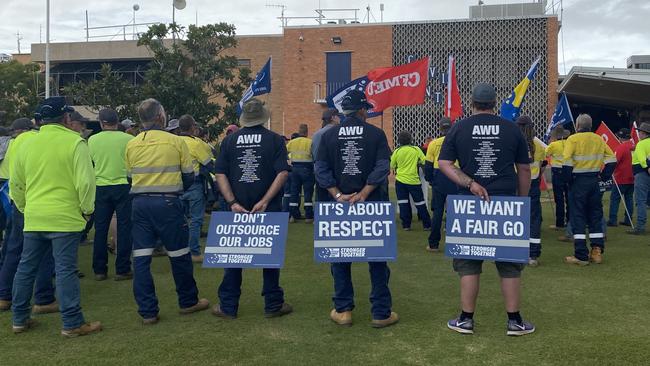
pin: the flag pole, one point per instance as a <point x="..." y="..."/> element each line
<point x="627" y="212"/>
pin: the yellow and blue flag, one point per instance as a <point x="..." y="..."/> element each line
<point x="512" y="105"/>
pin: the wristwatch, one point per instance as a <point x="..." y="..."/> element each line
<point x="230" y="203"/>
<point x="336" y="197"/>
<point x="469" y="184"/>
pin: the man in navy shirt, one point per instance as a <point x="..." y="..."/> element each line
<point x="487" y="148"/>
<point x="251" y="171"/>
<point x="352" y="163"/>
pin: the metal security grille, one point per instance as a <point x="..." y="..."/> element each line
<point x="499" y="51"/>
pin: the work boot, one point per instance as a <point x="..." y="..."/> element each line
<point x="197" y="258"/>
<point x="284" y="310"/>
<point x="216" y="311"/>
<point x="101" y="277"/>
<point x="533" y="262"/>
<point x="383" y="323"/>
<point x="292" y="220"/>
<point x="636" y="232"/>
<point x="31" y="323"/>
<point x="596" y="255"/>
<point x="46" y="309"/>
<point x="201" y="305"/>
<point x="124" y="276"/>
<point x="85" y="329"/>
<point x="309" y="221"/>
<point x="574" y="260"/>
<point x="5" y="305"/>
<point x="432" y="250"/>
<point x="151" y="321"/>
<point x="565" y="239"/>
<point x="344" y="318"/>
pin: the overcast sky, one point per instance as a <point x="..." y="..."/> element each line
<point x="596" y="33"/>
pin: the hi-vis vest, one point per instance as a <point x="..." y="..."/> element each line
<point x="586" y="152"/>
<point x="299" y="150"/>
<point x="555" y="151"/>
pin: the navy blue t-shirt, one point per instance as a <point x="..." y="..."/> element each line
<point x="252" y="158"/>
<point x="487" y="148"/>
<point x="352" y="155"/>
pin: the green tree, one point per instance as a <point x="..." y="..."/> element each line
<point x="108" y="90"/>
<point x="192" y="75"/>
<point x="20" y="86"/>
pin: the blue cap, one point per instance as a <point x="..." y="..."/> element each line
<point x="355" y="100"/>
<point x="53" y="107"/>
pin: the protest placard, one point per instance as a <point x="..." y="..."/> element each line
<point x="497" y="230"/>
<point x="363" y="232"/>
<point x="243" y="240"/>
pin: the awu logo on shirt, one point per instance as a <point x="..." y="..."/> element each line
<point x="489" y="130"/>
<point x="249" y="139"/>
<point x="351" y="131"/>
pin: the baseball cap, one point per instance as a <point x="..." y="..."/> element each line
<point x="127" y="123"/>
<point x="108" y="116"/>
<point x="172" y="125"/>
<point x="623" y="133"/>
<point x="445" y="122"/>
<point x="645" y="127"/>
<point x="355" y="100"/>
<point x="484" y="93"/>
<point x="77" y="117"/>
<point x="53" y="108"/>
<point x="22" y="124"/>
<point x="329" y="114"/>
<point x="524" y="121"/>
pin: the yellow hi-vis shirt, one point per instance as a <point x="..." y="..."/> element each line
<point x="155" y="160"/>
<point x="433" y="151"/>
<point x="555" y="151"/>
<point x="108" y="150"/>
<point x="586" y="152"/>
<point x="52" y="180"/>
<point x="538" y="157"/>
<point x="200" y="151"/>
<point x="405" y="161"/>
<point x="16" y="146"/>
<point x="299" y="150"/>
<point x="4" y="164"/>
<point x="641" y="154"/>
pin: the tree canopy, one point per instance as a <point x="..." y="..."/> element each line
<point x="20" y="86"/>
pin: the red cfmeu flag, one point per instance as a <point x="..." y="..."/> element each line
<point x="398" y="86"/>
<point x="453" y="104"/>
<point x="635" y="134"/>
<point x="608" y="136"/>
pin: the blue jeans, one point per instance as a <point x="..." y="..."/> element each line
<point x="403" y="192"/>
<point x="64" y="247"/>
<point x="380" y="297"/>
<point x="642" y="194"/>
<point x="161" y="217"/>
<point x="615" y="198"/>
<point x="111" y="199"/>
<point x="230" y="290"/>
<point x="194" y="205"/>
<point x="43" y="287"/>
<point x="302" y="181"/>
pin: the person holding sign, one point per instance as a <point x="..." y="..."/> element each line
<point x="405" y="162"/>
<point x="487" y="148"/>
<point x="584" y="154"/>
<point x="441" y="186"/>
<point x="160" y="167"/>
<point x="251" y="170"/>
<point x="537" y="152"/>
<point x="353" y="161"/>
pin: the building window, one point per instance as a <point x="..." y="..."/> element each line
<point x="244" y="63"/>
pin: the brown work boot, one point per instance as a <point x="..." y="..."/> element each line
<point x="197" y="258"/>
<point x="46" y="309"/>
<point x="596" y="255"/>
<point x="392" y="319"/>
<point x="5" y="305"/>
<point x="216" y="311"/>
<point x="344" y="318"/>
<point x="85" y="329"/>
<point x="151" y="321"/>
<point x="123" y="276"/>
<point x="309" y="221"/>
<point x="574" y="260"/>
<point x="566" y="239"/>
<point x="201" y="305"/>
<point x="31" y="323"/>
<point x="284" y="310"/>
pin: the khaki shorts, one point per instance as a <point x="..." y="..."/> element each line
<point x="469" y="267"/>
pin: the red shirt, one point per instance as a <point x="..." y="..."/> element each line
<point x="623" y="173"/>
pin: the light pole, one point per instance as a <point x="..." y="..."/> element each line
<point x="47" y="51"/>
<point x="136" y="7"/>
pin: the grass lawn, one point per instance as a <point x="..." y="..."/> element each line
<point x="595" y="315"/>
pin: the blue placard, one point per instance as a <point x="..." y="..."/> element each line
<point x="497" y="230"/>
<point x="363" y="232"/>
<point x="242" y="240"/>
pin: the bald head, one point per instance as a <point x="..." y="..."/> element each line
<point x="584" y="123"/>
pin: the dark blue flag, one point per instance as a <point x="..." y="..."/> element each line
<point x="334" y="99"/>
<point x="261" y="85"/>
<point x="561" y="117"/>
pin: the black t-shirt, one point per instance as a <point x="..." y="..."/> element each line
<point x="487" y="148"/>
<point x="252" y="158"/>
<point x="357" y="154"/>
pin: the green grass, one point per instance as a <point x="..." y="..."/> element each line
<point x="592" y="315"/>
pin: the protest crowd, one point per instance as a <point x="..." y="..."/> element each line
<point x="146" y="187"/>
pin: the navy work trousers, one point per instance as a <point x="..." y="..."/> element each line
<point x="110" y="199"/>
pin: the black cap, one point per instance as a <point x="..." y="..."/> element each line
<point x="77" y="117"/>
<point x="484" y="93"/>
<point x="623" y="133"/>
<point x="22" y="124"/>
<point x="329" y="114"/>
<point x="108" y="116"/>
<point x="355" y="100"/>
<point x="524" y="121"/>
<point x="445" y="122"/>
<point x="53" y="107"/>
